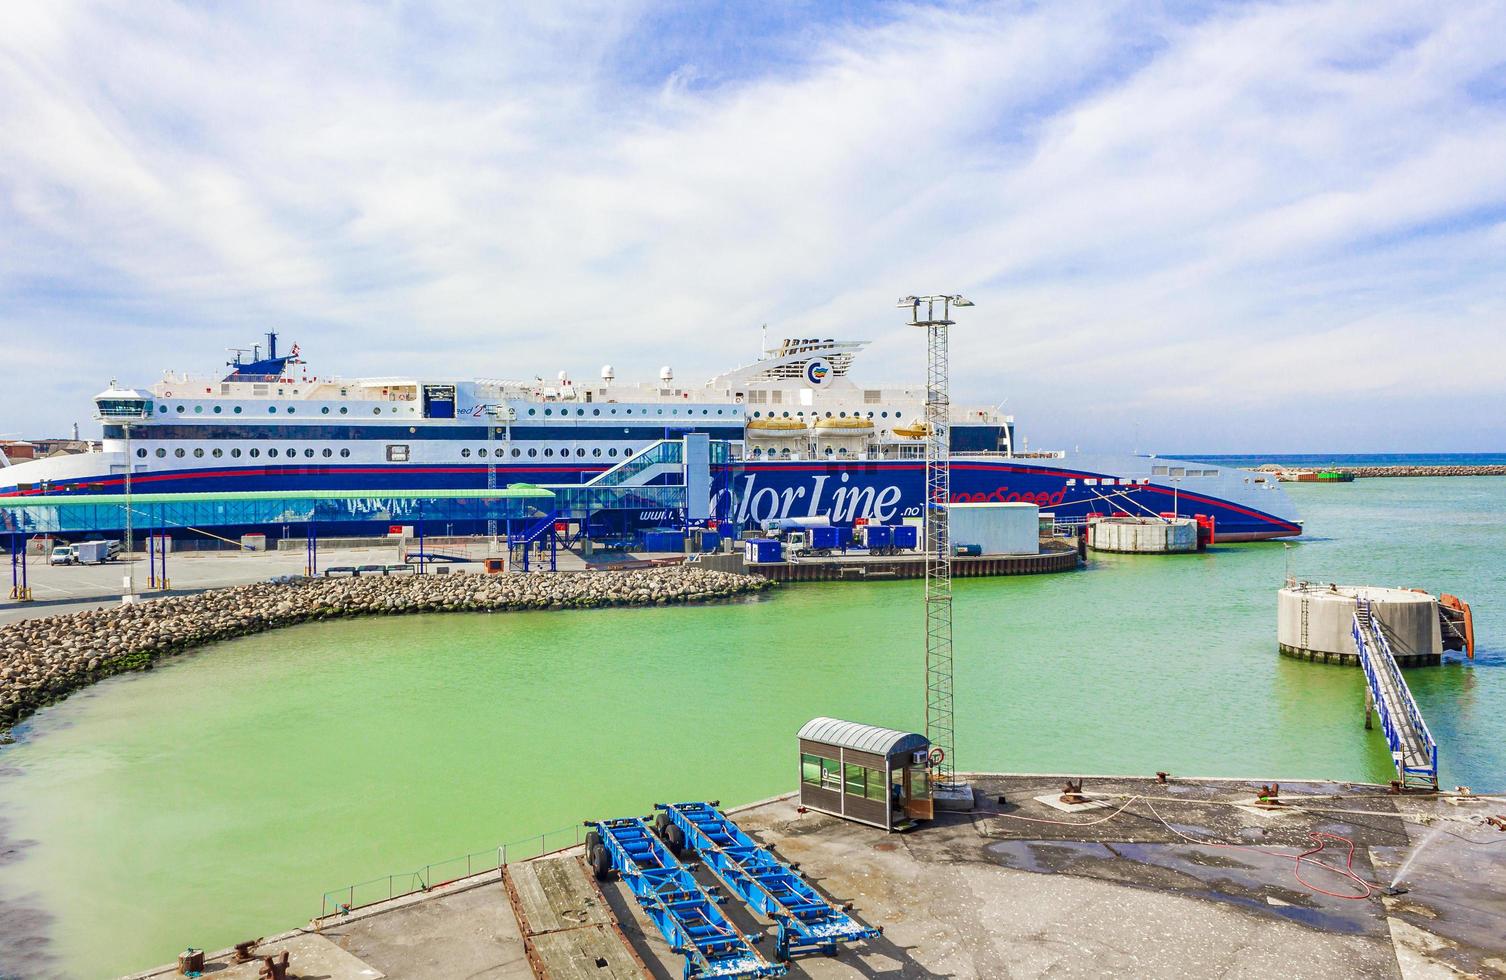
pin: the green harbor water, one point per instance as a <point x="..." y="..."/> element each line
<point x="218" y="797"/>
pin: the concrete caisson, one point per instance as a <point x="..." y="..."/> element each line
<point x="1143" y="535"/>
<point x="1314" y="622"/>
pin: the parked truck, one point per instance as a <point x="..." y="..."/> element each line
<point x="96" y="552"/>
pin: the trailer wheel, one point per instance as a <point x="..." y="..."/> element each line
<point x="601" y="863"/>
<point x="661" y="823"/>
<point x="675" y="838"/>
<point x="593" y="841"/>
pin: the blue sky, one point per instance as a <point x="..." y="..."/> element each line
<point x="1186" y="226"/>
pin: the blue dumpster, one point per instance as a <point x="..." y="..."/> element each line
<point x="907" y="537"/>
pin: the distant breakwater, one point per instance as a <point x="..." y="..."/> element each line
<point x="44" y="660"/>
<point x="1369" y="471"/>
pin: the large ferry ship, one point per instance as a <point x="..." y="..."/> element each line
<point x="802" y="437"/>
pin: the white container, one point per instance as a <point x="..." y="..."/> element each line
<point x="999" y="529"/>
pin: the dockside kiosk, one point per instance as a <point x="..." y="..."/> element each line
<point x="876" y="776"/>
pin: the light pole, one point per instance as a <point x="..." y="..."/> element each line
<point x="938" y="549"/>
<point x="130" y="528"/>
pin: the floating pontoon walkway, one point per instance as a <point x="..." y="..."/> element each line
<point x="806" y="920"/>
<point x="1412" y="746"/>
<point x="684" y="913"/>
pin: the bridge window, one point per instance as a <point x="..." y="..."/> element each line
<point x="1158" y="471"/>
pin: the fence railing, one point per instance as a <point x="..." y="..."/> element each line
<point x="360" y="894"/>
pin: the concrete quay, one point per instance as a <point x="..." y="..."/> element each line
<point x="1146" y="880"/>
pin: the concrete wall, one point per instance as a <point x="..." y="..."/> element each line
<point x="1000" y="529"/>
<point x="1143" y="535"/>
<point x="1410" y="619"/>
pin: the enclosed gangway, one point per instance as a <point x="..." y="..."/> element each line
<point x="806" y="920"/>
<point x="1413" y="749"/>
<point x="684" y="913"/>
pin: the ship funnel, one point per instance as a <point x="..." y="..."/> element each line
<point x="666" y="373"/>
<point x="607" y="373"/>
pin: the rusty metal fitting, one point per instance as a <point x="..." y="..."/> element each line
<point x="1162" y="777"/>
<point x="1072" y="793"/>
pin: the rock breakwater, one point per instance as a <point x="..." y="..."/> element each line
<point x="1372" y="471"/>
<point x="44" y="660"/>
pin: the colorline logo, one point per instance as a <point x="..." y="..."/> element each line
<point x="818" y="371"/>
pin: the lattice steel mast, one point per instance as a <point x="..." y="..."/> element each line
<point x="939" y="724"/>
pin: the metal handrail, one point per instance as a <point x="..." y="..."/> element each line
<point x="1388" y="664"/>
<point x="344" y="900"/>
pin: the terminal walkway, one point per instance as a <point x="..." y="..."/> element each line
<point x="1412" y="746"/>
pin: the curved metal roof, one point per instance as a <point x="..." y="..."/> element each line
<point x="863" y="738"/>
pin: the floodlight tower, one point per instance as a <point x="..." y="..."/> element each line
<point x="938" y="549"/>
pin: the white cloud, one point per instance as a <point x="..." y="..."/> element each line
<point x="1185" y="223"/>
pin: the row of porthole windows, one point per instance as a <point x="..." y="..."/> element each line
<point x="345" y="453"/>
<point x="596" y="452"/>
<point x="626" y="411"/>
<point x="758" y="453"/>
<point x="882" y="415"/>
<point x="271" y="410"/>
<point x="217" y="453"/>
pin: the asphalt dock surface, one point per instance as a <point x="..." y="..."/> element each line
<point x="1146" y="880"/>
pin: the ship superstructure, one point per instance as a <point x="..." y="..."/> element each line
<point x="802" y="436"/>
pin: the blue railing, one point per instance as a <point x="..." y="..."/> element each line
<point x="1379" y="663"/>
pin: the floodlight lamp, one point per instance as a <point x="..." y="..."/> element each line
<point x="905" y="301"/>
<point x="959" y="301"/>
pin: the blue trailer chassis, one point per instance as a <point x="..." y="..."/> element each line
<point x="684" y="913"/>
<point x="806" y="920"/>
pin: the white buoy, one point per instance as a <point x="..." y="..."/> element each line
<point x="1315" y="622"/>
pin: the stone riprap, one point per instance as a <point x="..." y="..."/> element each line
<point x="43" y="660"/>
<point x="1362" y="472"/>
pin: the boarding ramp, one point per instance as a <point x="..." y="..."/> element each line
<point x="683" y="912"/>
<point x="807" y="921"/>
<point x="1412" y="746"/>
